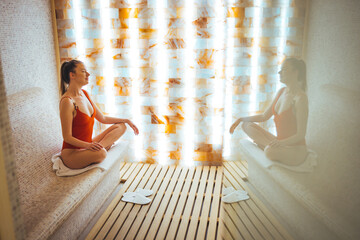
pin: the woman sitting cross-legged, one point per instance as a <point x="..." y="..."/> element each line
<point x="290" y="110"/>
<point x="77" y="114"/>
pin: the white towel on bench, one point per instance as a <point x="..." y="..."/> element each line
<point x="252" y="151"/>
<point x="61" y="170"/>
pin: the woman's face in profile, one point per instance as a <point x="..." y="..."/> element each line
<point x="287" y="72"/>
<point x="81" y="75"/>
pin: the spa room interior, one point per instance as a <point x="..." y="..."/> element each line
<point x="183" y="71"/>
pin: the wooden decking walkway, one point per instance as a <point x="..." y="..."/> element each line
<point x="186" y="204"/>
<point x="248" y="219"/>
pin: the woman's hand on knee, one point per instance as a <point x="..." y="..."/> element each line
<point x="235" y="124"/>
<point x="94" y="146"/>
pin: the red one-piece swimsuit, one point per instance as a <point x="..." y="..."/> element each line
<point x="285" y="122"/>
<point x="82" y="125"/>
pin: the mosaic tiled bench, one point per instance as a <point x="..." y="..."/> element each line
<point x="303" y="213"/>
<point x="53" y="207"/>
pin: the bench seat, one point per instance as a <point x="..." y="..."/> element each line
<point x="53" y="207"/>
<point x="301" y="211"/>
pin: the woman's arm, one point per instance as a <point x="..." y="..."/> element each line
<point x="113" y="120"/>
<point x="107" y="119"/>
<point x="66" y="117"/>
<point x="301" y="111"/>
<point x="257" y="118"/>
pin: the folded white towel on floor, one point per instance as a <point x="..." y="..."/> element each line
<point x="252" y="152"/>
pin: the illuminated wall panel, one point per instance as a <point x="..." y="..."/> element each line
<point x="182" y="70"/>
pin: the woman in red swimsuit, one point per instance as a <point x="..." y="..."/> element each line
<point x="290" y="110"/>
<point x="77" y="114"/>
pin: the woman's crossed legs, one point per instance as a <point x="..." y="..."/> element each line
<point x="80" y="158"/>
<point x="290" y="155"/>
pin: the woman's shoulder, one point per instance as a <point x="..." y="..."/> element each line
<point x="66" y="101"/>
<point x="65" y="97"/>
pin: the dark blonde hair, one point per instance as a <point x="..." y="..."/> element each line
<point x="66" y="68"/>
<point x="299" y="65"/>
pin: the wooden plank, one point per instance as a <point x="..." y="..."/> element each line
<point x="240" y="173"/>
<point x="242" y="164"/>
<point x="182" y="201"/>
<point x="123" y="213"/>
<point x="136" y="208"/>
<point x="126" y="174"/>
<point x="166" y="172"/>
<point x="221" y="227"/>
<point x="198" y="205"/>
<point x="215" y="211"/>
<point x="123" y="164"/>
<point x="242" y="168"/>
<point x="227" y="220"/>
<point x="156" y="202"/>
<point x="193" y="204"/>
<point x="241" y="221"/>
<point x="235" y="182"/>
<point x="204" y="216"/>
<point x="135" y="168"/>
<point x="124" y="167"/>
<point x="188" y="207"/>
<point x="226" y="234"/>
<point x="164" y="204"/>
<point x="255" y="227"/>
<point x="186" y="173"/>
<point x="129" y="187"/>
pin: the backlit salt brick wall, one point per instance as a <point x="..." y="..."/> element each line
<point x="183" y="71"/>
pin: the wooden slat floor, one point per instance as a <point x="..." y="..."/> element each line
<point x="186" y="204"/>
<point x="248" y="219"/>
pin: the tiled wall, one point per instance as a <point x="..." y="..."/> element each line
<point x="27" y="60"/>
<point x="334" y="92"/>
<point x="27" y="47"/>
<point x="237" y="19"/>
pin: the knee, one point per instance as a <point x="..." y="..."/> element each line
<point x="270" y="152"/>
<point x="121" y="127"/>
<point x="101" y="155"/>
<point x="246" y="126"/>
